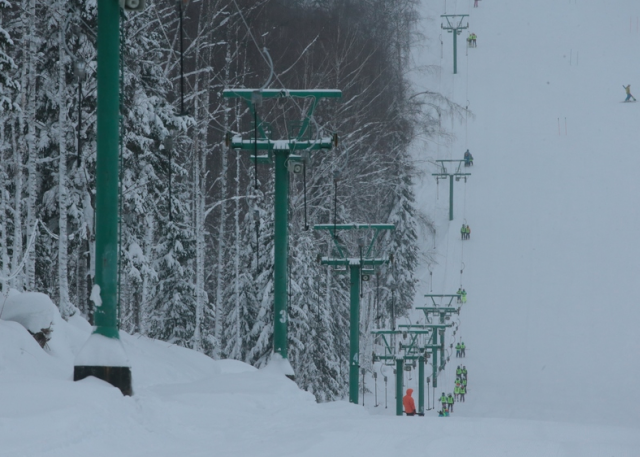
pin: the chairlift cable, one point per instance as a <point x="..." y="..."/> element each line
<point x="304" y="191"/>
<point x="255" y="145"/>
<point x="264" y="53"/>
<point x="466" y="111"/>
<point x="181" y="14"/>
<point x="336" y="175"/>
<point x="360" y="278"/>
<point x="256" y="216"/>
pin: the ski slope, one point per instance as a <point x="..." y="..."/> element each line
<point x="550" y="270"/>
<point x="551" y="264"/>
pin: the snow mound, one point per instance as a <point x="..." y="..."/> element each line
<point x="279" y="365"/>
<point x="34" y="311"/>
<point x="102" y="351"/>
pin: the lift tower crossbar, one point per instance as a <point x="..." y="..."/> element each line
<point x="457" y="174"/>
<point x="454" y="25"/>
<point x="283" y="151"/>
<point x="366" y="257"/>
<point x="449" y="296"/>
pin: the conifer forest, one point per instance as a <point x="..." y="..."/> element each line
<point x="196" y="217"/>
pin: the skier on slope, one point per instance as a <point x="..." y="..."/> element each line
<point x="409" y="404"/>
<point x="443" y="400"/>
<point x="627" y="88"/>
<point x="450" y="402"/>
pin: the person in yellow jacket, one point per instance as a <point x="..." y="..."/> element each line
<point x="627" y="89"/>
<point x="450" y="402"/>
<point x="443" y="400"/>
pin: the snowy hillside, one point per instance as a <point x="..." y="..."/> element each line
<point x="550" y="270"/>
<point x="551" y="264"/>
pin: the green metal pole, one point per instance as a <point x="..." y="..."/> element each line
<point x="421" y="385"/>
<point x="442" y="359"/>
<point x="280" y="242"/>
<point x="399" y="385"/>
<point x="354" y="343"/>
<point x="435" y="360"/>
<point x="450" y="197"/>
<point x="455" y="51"/>
<point x="106" y="315"/>
<point x="87" y="363"/>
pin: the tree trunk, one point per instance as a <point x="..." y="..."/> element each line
<point x="236" y="220"/>
<point x="66" y="308"/>
<point x="17" y="211"/>
<point x="32" y="167"/>
<point x="217" y="331"/>
<point x="148" y="252"/>
<point x="3" y="214"/>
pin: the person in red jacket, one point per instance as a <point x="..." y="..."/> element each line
<point x="409" y="404"/>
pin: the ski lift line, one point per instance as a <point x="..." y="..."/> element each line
<point x="461" y="260"/>
<point x="253" y="38"/>
<point x="466" y="112"/>
<point x="264" y="53"/>
<point x="26" y="252"/>
<point x="446" y="261"/>
<point x="271" y="72"/>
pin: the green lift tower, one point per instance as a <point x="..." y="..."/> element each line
<point x="360" y="265"/>
<point x="413" y="351"/>
<point x="281" y="153"/>
<point x="457" y="174"/>
<point x="103" y="355"/>
<point x="454" y="25"/>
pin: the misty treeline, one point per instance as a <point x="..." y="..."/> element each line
<point x="196" y="223"/>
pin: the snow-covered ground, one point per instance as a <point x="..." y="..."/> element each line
<point x="551" y="264"/>
<point x="550" y="270"/>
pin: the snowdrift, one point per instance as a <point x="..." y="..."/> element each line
<point x="189" y="405"/>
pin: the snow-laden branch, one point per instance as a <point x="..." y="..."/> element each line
<point x="239" y="197"/>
